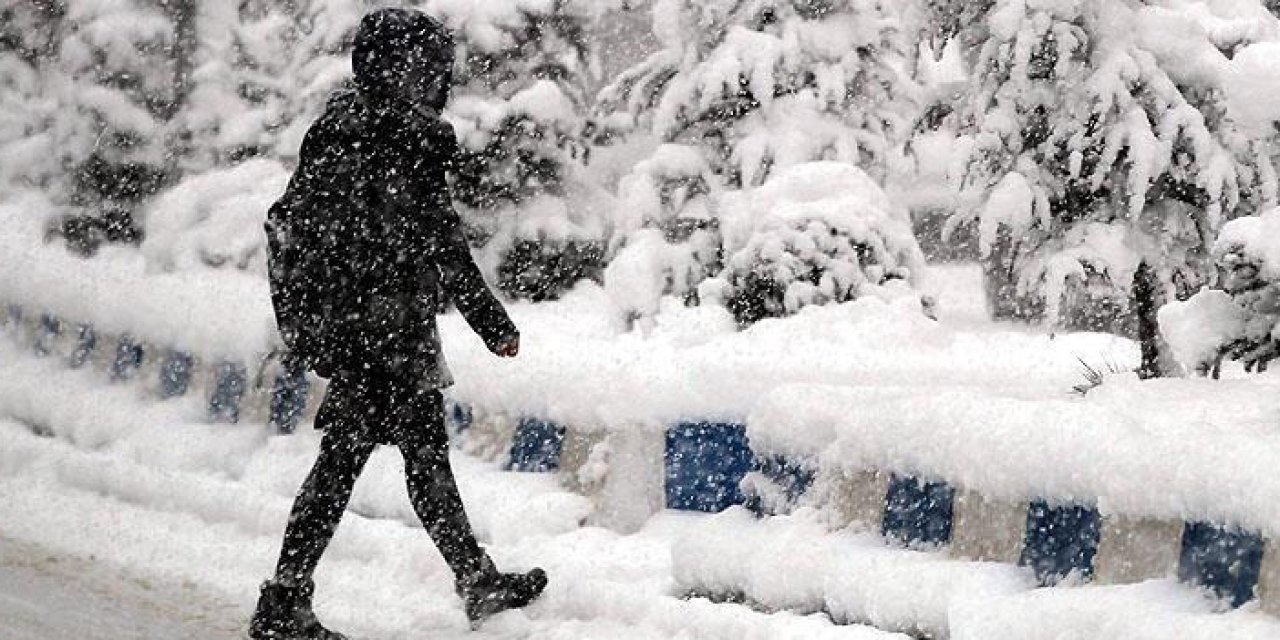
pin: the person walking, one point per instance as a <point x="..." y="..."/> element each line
<point x="362" y="247"/>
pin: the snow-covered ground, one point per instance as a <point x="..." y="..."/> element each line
<point x="51" y="595"/>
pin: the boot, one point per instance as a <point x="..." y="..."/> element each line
<point x="488" y="591"/>
<point x="284" y="613"/>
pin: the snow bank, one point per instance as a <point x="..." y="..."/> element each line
<point x="214" y="219"/>
<point x="224" y="317"/>
<point x="1170" y="449"/>
<point x="76" y="407"/>
<point x="1153" y="610"/>
<point x="576" y="368"/>
<point x="794" y="562"/>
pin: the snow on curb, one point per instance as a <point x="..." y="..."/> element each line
<point x="1155" y="449"/>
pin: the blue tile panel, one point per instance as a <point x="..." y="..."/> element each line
<point x="791" y="476"/>
<point x="46" y="333"/>
<point x="460" y="417"/>
<point x="705" y="462"/>
<point x="289" y="398"/>
<point x="1225" y="560"/>
<point x="537" y="446"/>
<point x="128" y="358"/>
<point x="1060" y="541"/>
<point x="86" y="342"/>
<point x="175" y="374"/>
<point x="13" y="315"/>
<point x="230" y="381"/>
<point x="918" y="512"/>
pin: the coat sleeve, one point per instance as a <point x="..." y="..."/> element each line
<point x="459" y="275"/>
<point x="461" y="278"/>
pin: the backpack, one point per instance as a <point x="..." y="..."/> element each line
<point x="315" y="288"/>
<point x="299" y="299"/>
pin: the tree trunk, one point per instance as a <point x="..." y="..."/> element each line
<point x="1146" y="299"/>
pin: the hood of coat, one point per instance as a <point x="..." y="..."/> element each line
<point x="405" y="55"/>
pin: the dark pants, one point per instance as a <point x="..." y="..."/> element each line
<point x="357" y="414"/>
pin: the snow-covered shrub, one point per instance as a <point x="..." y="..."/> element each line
<point x="1240" y="318"/>
<point x="667" y="235"/>
<point x="214" y="219"/>
<point x="814" y="233"/>
<point x="520" y="107"/>
<point x="1104" y="158"/>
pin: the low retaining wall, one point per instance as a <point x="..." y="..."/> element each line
<point x="633" y="473"/>
<point x="256" y="389"/>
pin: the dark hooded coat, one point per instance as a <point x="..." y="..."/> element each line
<point x="365" y="238"/>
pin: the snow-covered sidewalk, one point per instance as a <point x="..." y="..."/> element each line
<point x="49" y="595"/>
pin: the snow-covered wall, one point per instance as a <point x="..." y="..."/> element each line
<point x="225" y="317"/>
<point x="1167" y="449"/>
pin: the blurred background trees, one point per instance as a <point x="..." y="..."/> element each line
<point x="1087" y="152"/>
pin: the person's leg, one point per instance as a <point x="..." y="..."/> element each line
<point x="324" y="495"/>
<point x="284" y="608"/>
<point x="434" y="492"/>
<point x="424" y="443"/>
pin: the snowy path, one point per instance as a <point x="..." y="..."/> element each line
<point x="46" y="595"/>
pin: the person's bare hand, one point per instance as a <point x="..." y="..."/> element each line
<point x="510" y="348"/>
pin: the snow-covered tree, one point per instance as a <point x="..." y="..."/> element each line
<point x="263" y="69"/>
<point x="958" y="20"/>
<point x="770" y="83"/>
<point x="28" y="36"/>
<point x="934" y="157"/>
<point x="92" y="89"/>
<point x="117" y="79"/>
<point x="756" y="87"/>
<point x="520" y="106"/>
<point x="1104" y="159"/>
<point x="672" y="238"/>
<point x="262" y="72"/>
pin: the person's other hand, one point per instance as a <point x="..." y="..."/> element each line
<point x="508" y="348"/>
